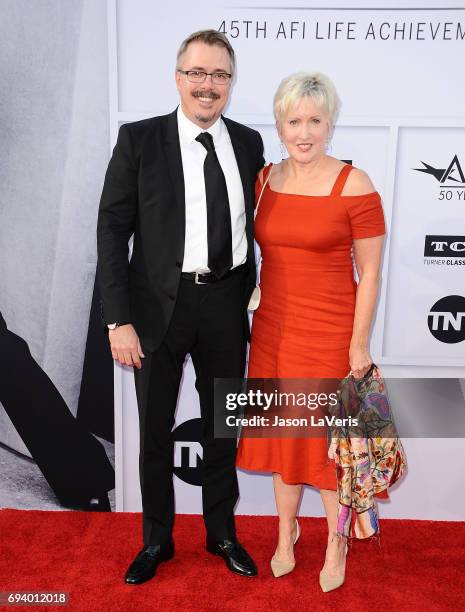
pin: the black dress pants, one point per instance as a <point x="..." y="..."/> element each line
<point x="208" y="323"/>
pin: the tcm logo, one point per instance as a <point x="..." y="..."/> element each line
<point x="188" y="451"/>
<point x="446" y="320"/>
<point x="444" y="246"/>
<point x="452" y="174"/>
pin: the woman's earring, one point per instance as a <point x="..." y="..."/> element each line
<point x="329" y="145"/>
<point x="283" y="150"/>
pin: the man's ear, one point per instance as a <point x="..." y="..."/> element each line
<point x="177" y="78"/>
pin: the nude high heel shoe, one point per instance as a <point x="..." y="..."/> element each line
<point x="281" y="568"/>
<point x="329" y="582"/>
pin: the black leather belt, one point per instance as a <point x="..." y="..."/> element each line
<point x="203" y="279"/>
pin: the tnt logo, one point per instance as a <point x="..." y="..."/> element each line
<point x="187" y="454"/>
<point x="446" y="320"/>
<point x="188" y="451"/>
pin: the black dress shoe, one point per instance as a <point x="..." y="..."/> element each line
<point x="237" y="559"/>
<point x="145" y="564"/>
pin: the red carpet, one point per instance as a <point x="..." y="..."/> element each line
<point x="421" y="566"/>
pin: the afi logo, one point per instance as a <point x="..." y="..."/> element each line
<point x="446" y="320"/>
<point x="453" y="173"/>
<point x="444" y="246"/>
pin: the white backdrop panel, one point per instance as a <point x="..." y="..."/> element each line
<point x="375" y="77"/>
<point x="418" y="211"/>
<point x="394" y="115"/>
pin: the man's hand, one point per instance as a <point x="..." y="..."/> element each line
<point x="125" y="346"/>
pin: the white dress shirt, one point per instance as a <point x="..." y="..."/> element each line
<point x="193" y="155"/>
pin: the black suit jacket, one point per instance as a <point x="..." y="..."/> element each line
<point x="143" y="195"/>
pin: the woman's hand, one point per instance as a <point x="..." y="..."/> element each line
<point x="332" y="448"/>
<point x="360" y="360"/>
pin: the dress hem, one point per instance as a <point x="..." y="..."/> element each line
<point x="290" y="481"/>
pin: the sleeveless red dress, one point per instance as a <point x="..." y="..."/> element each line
<point x="303" y="326"/>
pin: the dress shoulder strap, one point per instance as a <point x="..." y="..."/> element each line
<point x="266" y="173"/>
<point x="266" y="177"/>
<point x="341" y="180"/>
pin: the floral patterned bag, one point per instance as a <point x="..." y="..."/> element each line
<point x="369" y="455"/>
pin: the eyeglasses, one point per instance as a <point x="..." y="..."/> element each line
<point x="198" y="76"/>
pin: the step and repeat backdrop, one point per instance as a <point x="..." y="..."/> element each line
<point x="397" y="71"/>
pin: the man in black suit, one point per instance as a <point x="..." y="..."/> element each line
<point x="183" y="185"/>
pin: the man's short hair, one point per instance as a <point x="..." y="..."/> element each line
<point x="209" y="37"/>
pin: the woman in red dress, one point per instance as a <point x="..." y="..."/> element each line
<point x="316" y="215"/>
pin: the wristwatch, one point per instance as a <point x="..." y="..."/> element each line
<point x="113" y="326"/>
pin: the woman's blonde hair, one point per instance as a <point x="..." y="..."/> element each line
<point x="316" y="86"/>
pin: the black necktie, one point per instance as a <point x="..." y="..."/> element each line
<point x="219" y="233"/>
